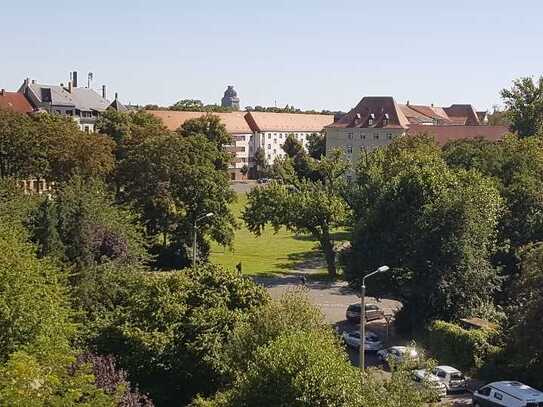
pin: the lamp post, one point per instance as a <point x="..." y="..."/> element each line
<point x="195" y="230"/>
<point x="363" y="315"/>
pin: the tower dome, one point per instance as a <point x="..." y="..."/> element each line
<point x="230" y="98"/>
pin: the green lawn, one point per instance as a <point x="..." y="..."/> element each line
<point x="269" y="253"/>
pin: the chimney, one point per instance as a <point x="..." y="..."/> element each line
<point x="104" y="95"/>
<point x="70" y="86"/>
<point x="116" y="96"/>
<point x="33" y="81"/>
<point x="74" y="79"/>
<point x="2" y="92"/>
<point x="407" y="103"/>
<point x="27" y="82"/>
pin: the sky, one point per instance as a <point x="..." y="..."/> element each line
<point x="312" y="54"/>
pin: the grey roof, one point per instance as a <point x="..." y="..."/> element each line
<point x="80" y="98"/>
<point x="118" y="106"/>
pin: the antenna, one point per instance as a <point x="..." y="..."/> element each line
<point x="90" y="78"/>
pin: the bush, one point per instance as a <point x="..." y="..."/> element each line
<point x="467" y="350"/>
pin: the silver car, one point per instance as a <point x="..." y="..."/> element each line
<point x="372" y="344"/>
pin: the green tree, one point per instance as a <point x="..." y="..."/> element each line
<point x="190" y="105"/>
<point x="303" y="206"/>
<point x="261" y="164"/>
<point x="524" y="103"/>
<point x="166" y="330"/>
<point x="316" y="146"/>
<point x="435" y="228"/>
<point x="171" y="180"/>
<point x="210" y="126"/>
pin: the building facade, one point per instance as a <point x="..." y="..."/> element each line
<point x="270" y="130"/>
<point x="84" y="105"/>
<point x="235" y="125"/>
<point x="377" y="120"/>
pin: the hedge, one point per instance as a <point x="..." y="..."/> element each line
<point x="467" y="350"/>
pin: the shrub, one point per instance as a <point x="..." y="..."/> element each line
<point x="465" y="349"/>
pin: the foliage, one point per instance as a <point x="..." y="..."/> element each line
<point x="82" y="225"/>
<point x="261" y="164"/>
<point x="194" y="105"/>
<point x="316" y="145"/>
<point x="524" y="103"/>
<point x="171" y="180"/>
<point x="524" y="325"/>
<point x="303" y="206"/>
<point x="433" y="226"/>
<point x="166" y="330"/>
<point x="465" y="349"/>
<point x="210" y="126"/>
<point x="50" y="147"/>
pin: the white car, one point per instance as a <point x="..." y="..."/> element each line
<point x="452" y="378"/>
<point x="510" y="394"/>
<point x="425" y="379"/>
<point x="398" y="354"/>
<point x="372" y="343"/>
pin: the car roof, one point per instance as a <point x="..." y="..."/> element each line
<point x="400" y="348"/>
<point x="517" y="389"/>
<point x="448" y="369"/>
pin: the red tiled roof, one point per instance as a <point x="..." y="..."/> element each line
<point x="266" y="121"/>
<point x="376" y="107"/>
<point x="234" y="122"/>
<point x="444" y="134"/>
<point x="463" y="111"/>
<point x="14" y="101"/>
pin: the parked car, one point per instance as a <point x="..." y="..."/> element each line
<point x="373" y="312"/>
<point x="373" y="342"/>
<point x="425" y="379"/>
<point x="398" y="354"/>
<point x="506" y="393"/>
<point x="452" y="379"/>
<point x="263" y="180"/>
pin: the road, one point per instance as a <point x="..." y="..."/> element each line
<point x="333" y="298"/>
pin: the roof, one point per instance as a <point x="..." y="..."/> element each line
<point x="79" y="98"/>
<point x="266" y="121"/>
<point x="383" y="110"/>
<point x="517" y="389"/>
<point x="445" y="134"/>
<point x="15" y="101"/>
<point x="234" y="122"/>
<point x="118" y="106"/>
<point x="466" y="112"/>
<point x="448" y="369"/>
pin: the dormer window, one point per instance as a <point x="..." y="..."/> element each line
<point x="371" y="119"/>
<point x="385" y="119"/>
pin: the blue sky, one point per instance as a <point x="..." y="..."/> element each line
<point x="310" y="54"/>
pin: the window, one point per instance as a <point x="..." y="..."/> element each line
<point x="242" y="149"/>
<point x="45" y="95"/>
<point x="485" y="391"/>
<point x="269" y="156"/>
<point x="87" y="129"/>
<point x="498" y="396"/>
<point x="441" y="373"/>
<point x="376" y="137"/>
<point x="362" y="137"/>
<point x="349" y="149"/>
<point x="280" y="136"/>
<point x="269" y="146"/>
<point x="269" y="135"/>
<point x="274" y="141"/>
<point x="350" y="136"/>
<point x="274" y="151"/>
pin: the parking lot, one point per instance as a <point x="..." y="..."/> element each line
<point x="333" y="299"/>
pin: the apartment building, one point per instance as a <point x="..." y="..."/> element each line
<point x="270" y="130"/>
<point x="378" y="120"/>
<point x="234" y="123"/>
<point x="84" y="105"/>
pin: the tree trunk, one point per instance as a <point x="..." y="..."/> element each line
<point x="329" y="252"/>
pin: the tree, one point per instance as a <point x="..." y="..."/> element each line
<point x="292" y="146"/>
<point x="209" y="126"/>
<point x="166" y="330"/>
<point x="303" y="206"/>
<point x="244" y="170"/>
<point x="261" y="164"/>
<point x="524" y="103"/>
<point x="21" y="152"/>
<point x="434" y="227"/>
<point x="190" y="105"/>
<point x="171" y="180"/>
<point x="316" y="146"/>
<point x="523" y="341"/>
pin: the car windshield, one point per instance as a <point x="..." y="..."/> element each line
<point x="457" y="376"/>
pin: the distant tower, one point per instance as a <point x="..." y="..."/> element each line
<point x="230" y="98"/>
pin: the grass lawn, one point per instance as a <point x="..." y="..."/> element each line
<point x="269" y="253"/>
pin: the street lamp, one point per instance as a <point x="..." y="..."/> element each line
<point x="194" y="244"/>
<point x="363" y="315"/>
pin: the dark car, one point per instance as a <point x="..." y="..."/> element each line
<point x="373" y="312"/>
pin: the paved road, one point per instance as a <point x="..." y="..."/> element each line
<point x="333" y="299"/>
